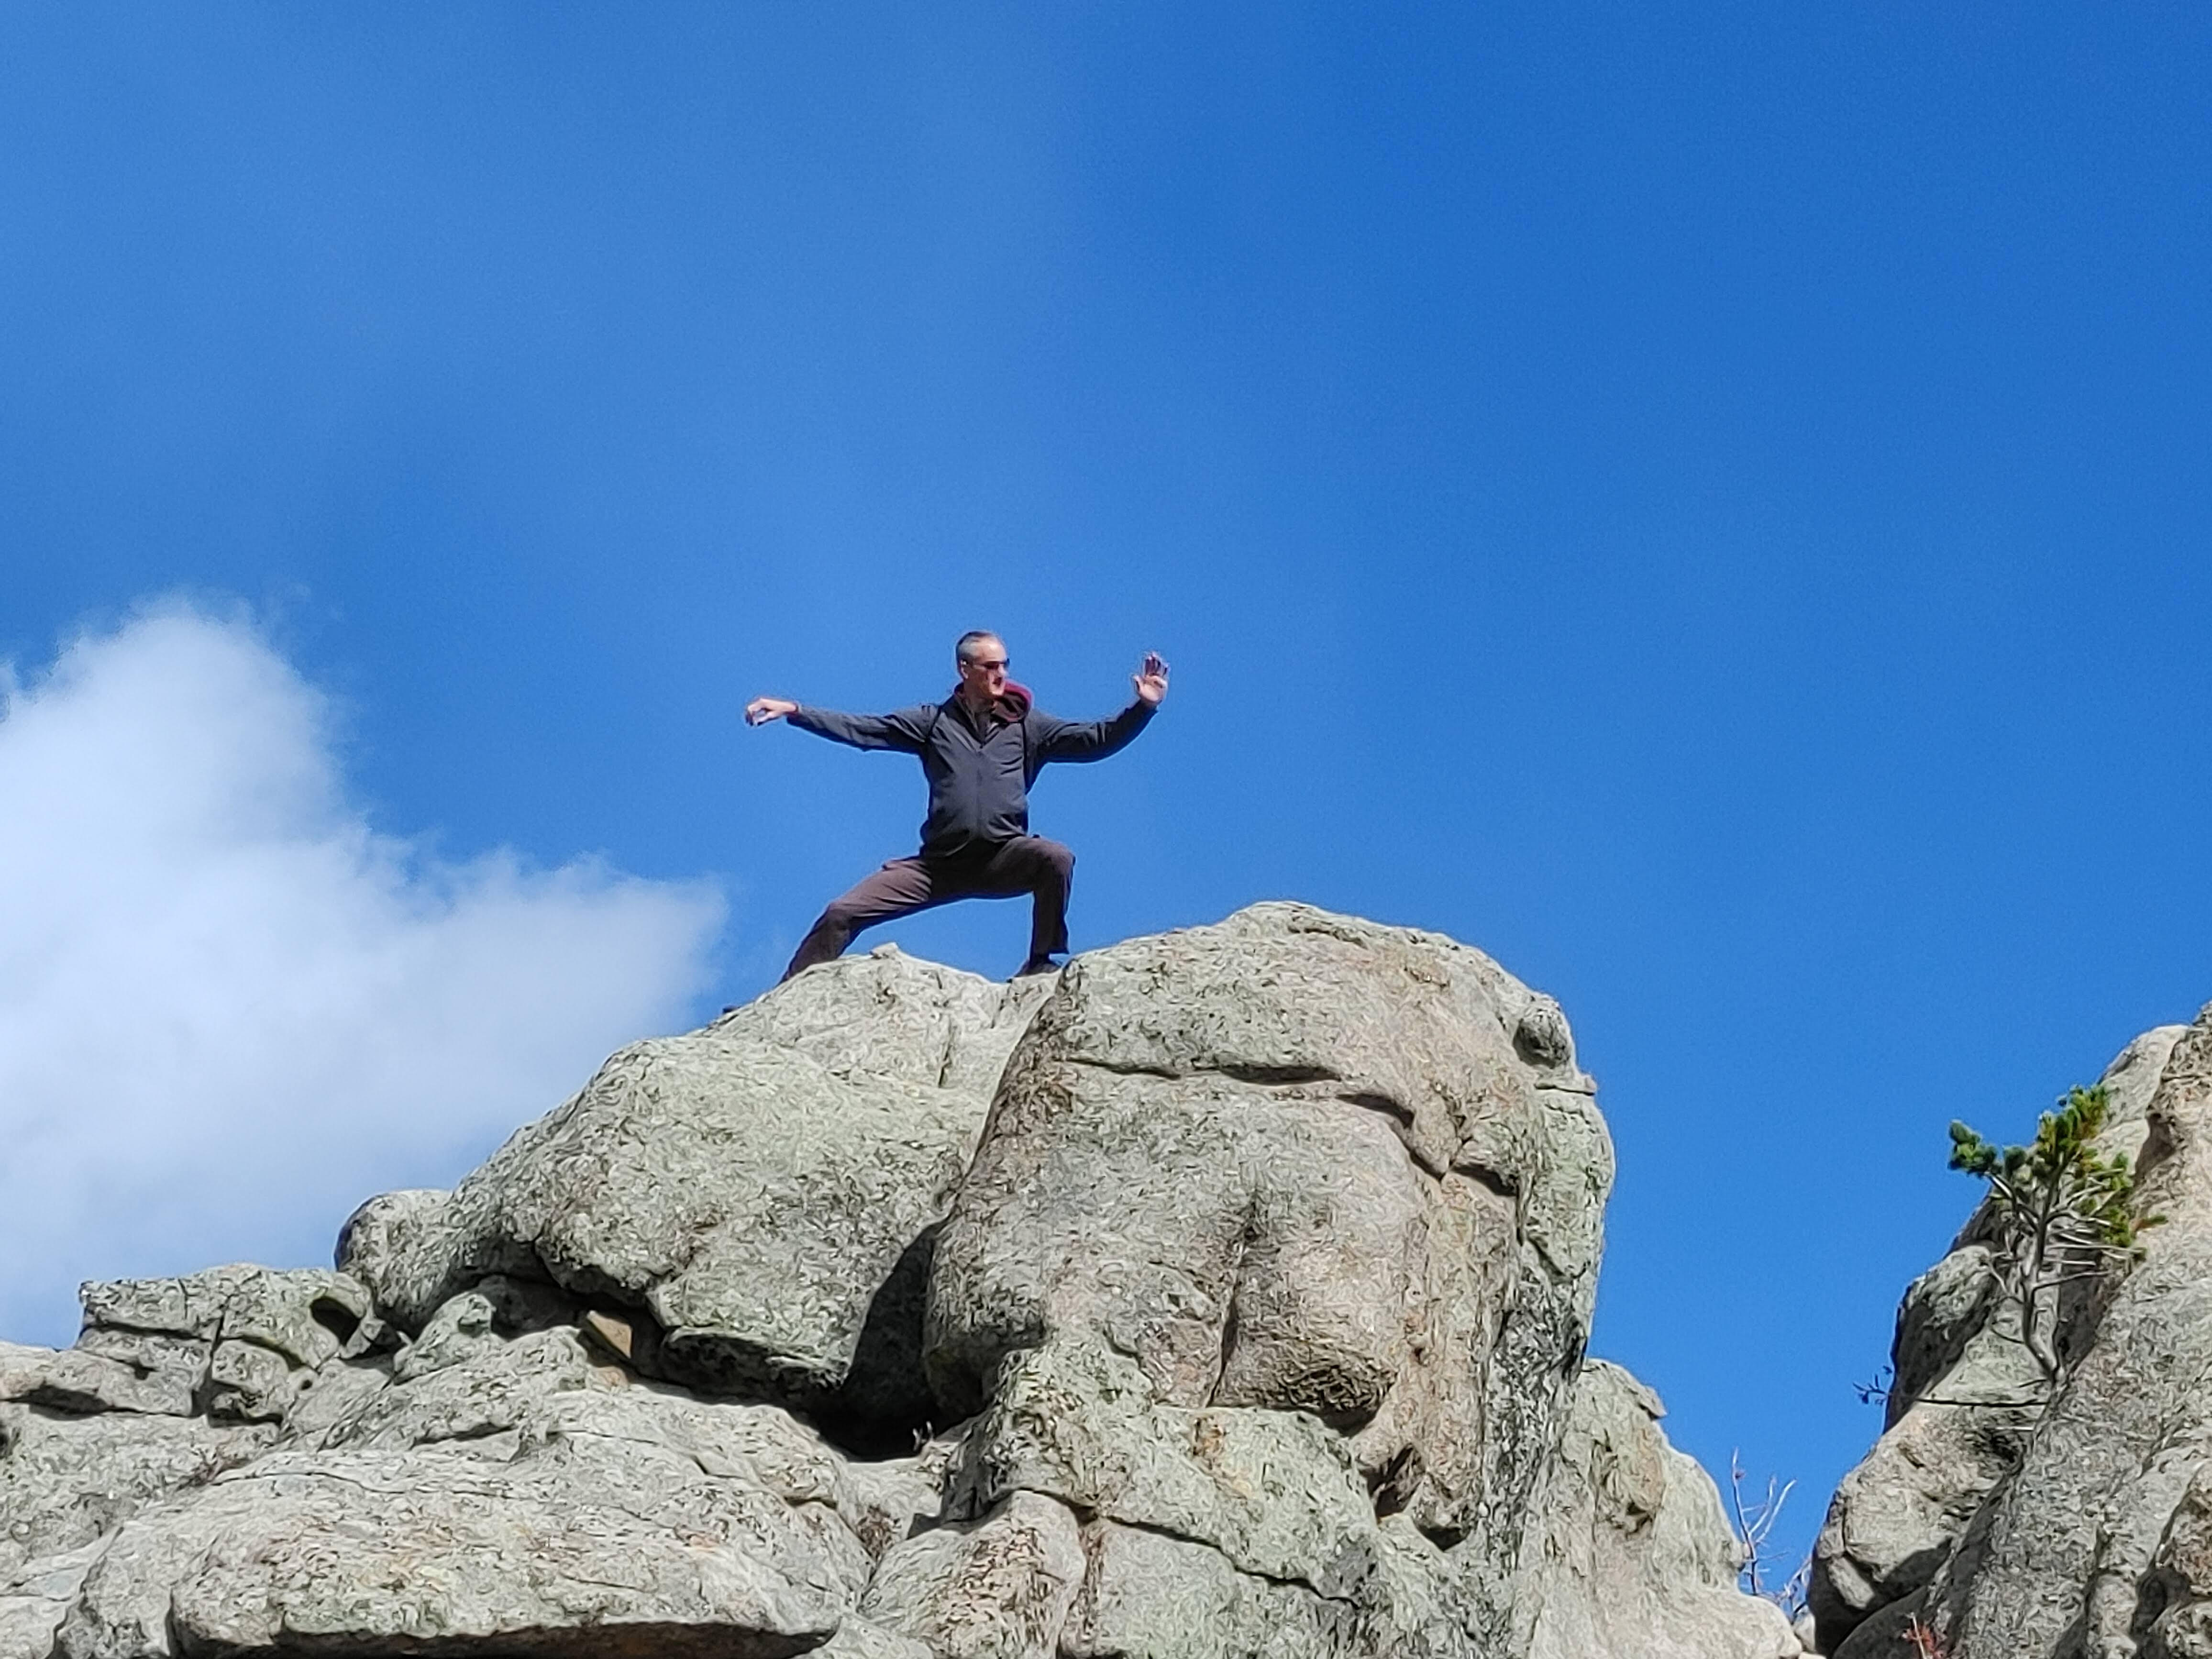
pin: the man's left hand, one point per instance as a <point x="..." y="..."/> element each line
<point x="1151" y="680"/>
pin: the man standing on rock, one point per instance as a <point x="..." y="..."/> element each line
<point x="981" y="749"/>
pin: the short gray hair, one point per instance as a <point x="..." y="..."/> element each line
<point x="964" y="648"/>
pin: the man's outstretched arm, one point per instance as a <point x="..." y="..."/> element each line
<point x="902" y="729"/>
<point x="1090" y="740"/>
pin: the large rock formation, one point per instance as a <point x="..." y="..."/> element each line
<point x="1226" y="1296"/>
<point x="2009" y="1519"/>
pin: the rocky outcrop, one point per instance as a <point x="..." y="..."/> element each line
<point x="1293" y="1178"/>
<point x="1635" y="1554"/>
<point x="1226" y="1296"/>
<point x="765" y="1190"/>
<point x="2012" y="1520"/>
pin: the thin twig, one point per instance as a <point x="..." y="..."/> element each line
<point x="1755" y="1523"/>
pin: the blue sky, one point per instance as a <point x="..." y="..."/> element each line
<point x="1707" y="504"/>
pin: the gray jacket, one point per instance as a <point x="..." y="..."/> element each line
<point x="978" y="769"/>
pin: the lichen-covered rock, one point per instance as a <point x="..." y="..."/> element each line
<point x="998" y="1588"/>
<point x="2019" y="1523"/>
<point x="407" y="1248"/>
<point x="307" y="1317"/>
<point x="1148" y="1595"/>
<point x="2070" y="1536"/>
<point x="65" y="1480"/>
<point x="72" y="1380"/>
<point x="1635" y="1559"/>
<point x="2175" y="1600"/>
<point x="1298" y="1163"/>
<point x="37" y="1596"/>
<point x="766" y="1189"/>
<point x="515" y="1495"/>
<point x="1275" y="1493"/>
<point x="233" y="1342"/>
<point x="578" y="1544"/>
<point x="1225" y="1298"/>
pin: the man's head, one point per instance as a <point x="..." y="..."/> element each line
<point x="982" y="660"/>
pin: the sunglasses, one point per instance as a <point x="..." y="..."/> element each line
<point x="998" y="667"/>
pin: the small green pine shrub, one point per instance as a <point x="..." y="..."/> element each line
<point x="2063" y="1212"/>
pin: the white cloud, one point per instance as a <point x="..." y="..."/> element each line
<point x="229" y="1010"/>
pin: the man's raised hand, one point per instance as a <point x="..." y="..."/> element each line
<point x="760" y="710"/>
<point x="1152" y="679"/>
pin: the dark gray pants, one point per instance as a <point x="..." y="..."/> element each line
<point x="1027" y="864"/>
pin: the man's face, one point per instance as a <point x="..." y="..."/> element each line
<point x="983" y="670"/>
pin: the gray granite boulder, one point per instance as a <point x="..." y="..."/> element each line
<point x="235" y="1343"/>
<point x="764" y="1191"/>
<point x="2016" y="1522"/>
<point x="996" y="1589"/>
<point x="483" y="1493"/>
<point x="1635" y="1556"/>
<point x="577" y="1543"/>
<point x="1965" y="1399"/>
<point x="1299" y="1165"/>
<point x="1225" y="1297"/>
<point x="66" y="1479"/>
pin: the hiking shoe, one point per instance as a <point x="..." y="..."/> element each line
<point x="1037" y="965"/>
